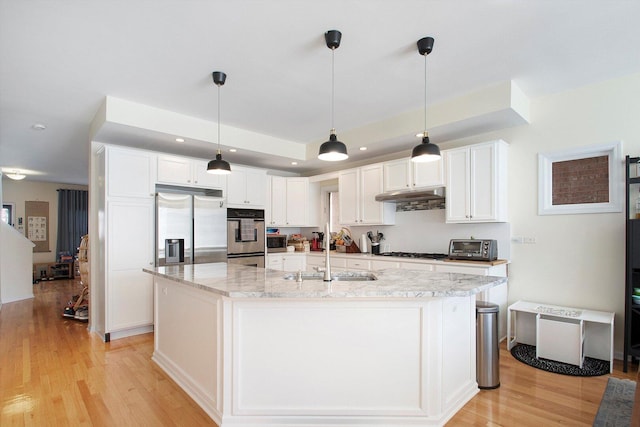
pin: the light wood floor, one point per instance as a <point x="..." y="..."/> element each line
<point x="53" y="372"/>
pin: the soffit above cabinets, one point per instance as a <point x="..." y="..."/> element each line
<point x="122" y="122"/>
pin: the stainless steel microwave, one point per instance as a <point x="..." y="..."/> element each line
<point x="473" y="249"/>
<point x="276" y="243"/>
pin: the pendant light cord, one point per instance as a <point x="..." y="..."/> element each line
<point x="218" y="118"/>
<point x="425" y="93"/>
<point x="333" y="78"/>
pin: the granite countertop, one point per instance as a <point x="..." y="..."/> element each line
<point x="236" y="281"/>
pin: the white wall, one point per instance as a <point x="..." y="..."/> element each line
<point x="19" y="192"/>
<point x="577" y="260"/>
<point x="15" y="265"/>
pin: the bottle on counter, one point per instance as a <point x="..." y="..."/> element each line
<point x="638" y="207"/>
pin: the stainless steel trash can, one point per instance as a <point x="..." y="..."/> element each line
<point x="487" y="345"/>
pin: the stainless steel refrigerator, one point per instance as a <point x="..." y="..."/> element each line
<point x="191" y="226"/>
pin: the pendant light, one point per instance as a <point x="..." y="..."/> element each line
<point x="219" y="166"/>
<point x="333" y="150"/>
<point x="425" y="151"/>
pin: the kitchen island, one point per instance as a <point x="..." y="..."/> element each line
<point x="252" y="348"/>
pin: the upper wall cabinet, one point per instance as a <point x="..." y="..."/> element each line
<point x="246" y="188"/>
<point x="186" y="171"/>
<point x="357" y="191"/>
<point x="292" y="202"/>
<point x="130" y="173"/>
<point x="476" y="181"/>
<point x="403" y="174"/>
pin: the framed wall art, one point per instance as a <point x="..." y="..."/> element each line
<point x="37" y="214"/>
<point x="581" y="180"/>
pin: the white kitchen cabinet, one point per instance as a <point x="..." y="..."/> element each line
<point x="476" y="181"/>
<point x="294" y="263"/>
<point x="403" y="174"/>
<point x="274" y="262"/>
<point x="247" y="188"/>
<point x="381" y="265"/>
<point x="416" y="266"/>
<point x="187" y="171"/>
<point x="131" y="173"/>
<point x="357" y="189"/>
<point x="121" y="294"/>
<point x="314" y="261"/>
<point x="499" y="270"/>
<point x="277" y="212"/>
<point x="130" y="247"/>
<point x="358" y="264"/>
<point x="338" y="263"/>
<point x="290" y="203"/>
<point x="286" y="262"/>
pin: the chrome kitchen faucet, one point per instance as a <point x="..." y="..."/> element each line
<point x="327" y="268"/>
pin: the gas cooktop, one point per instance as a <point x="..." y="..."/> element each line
<point x="414" y="255"/>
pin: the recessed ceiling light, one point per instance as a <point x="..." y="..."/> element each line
<point x="38" y="126"/>
<point x="179" y="139"/>
<point x="363" y="148"/>
<point x="294" y="163"/>
<point x="15" y="175"/>
<point x="233" y="150"/>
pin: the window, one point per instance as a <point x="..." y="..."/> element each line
<point x="8" y="213"/>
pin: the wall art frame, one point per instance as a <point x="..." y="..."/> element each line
<point x="612" y="150"/>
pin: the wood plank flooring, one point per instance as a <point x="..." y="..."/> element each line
<point x="53" y="372"/>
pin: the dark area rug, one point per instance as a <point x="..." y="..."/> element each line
<point x="590" y="368"/>
<point x="616" y="405"/>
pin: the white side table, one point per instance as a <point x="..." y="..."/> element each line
<point x="565" y="334"/>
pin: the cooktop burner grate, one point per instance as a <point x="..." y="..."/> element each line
<point x="414" y="255"/>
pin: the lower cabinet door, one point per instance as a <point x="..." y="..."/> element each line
<point x="130" y="300"/>
<point x="294" y="263"/>
<point x="274" y="262"/>
<point x="130" y="243"/>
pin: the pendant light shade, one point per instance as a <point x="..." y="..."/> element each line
<point x="219" y="166"/>
<point x="333" y="150"/>
<point x="425" y="151"/>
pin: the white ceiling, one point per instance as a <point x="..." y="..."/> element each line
<point x="60" y="59"/>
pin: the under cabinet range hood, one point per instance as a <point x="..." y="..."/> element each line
<point x="412" y="196"/>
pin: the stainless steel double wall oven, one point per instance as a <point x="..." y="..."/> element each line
<point x="245" y="237"/>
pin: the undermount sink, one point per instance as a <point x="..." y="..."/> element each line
<point x="343" y="276"/>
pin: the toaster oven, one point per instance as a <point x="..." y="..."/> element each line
<point x="473" y="249"/>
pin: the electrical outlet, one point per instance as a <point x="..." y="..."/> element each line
<point x="529" y="240"/>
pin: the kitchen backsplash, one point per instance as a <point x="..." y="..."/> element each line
<point x="422" y="205"/>
<point x="426" y="231"/>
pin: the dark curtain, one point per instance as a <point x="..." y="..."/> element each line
<point x="73" y="219"/>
